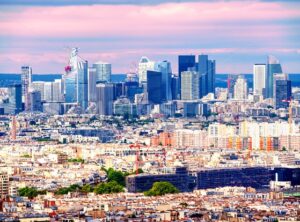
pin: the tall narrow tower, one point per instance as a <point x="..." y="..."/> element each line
<point x="26" y="78"/>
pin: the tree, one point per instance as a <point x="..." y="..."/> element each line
<point x="87" y="188"/>
<point x="115" y="175"/>
<point x="110" y="187"/>
<point x="29" y="192"/>
<point x="66" y="190"/>
<point x="161" y="188"/>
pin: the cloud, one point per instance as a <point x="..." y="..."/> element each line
<point x="121" y="33"/>
<point x="110" y="2"/>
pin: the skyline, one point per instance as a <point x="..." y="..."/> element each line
<point x="225" y="30"/>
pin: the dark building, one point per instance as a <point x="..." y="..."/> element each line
<point x="190" y="109"/>
<point x="175" y="87"/>
<point x="256" y="177"/>
<point x="142" y="182"/>
<point x="35" y="101"/>
<point x="185" y="62"/>
<point x="283" y="93"/>
<point x="131" y="88"/>
<point x="154" y="89"/>
<point x="287" y="174"/>
<point x="118" y="90"/>
<point x="207" y="72"/>
<point x="104" y="102"/>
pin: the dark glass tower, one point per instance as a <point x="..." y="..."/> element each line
<point x="154" y="89"/>
<point x="207" y="72"/>
<point x="184" y="63"/>
<point x="282" y="91"/>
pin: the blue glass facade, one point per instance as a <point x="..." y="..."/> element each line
<point x="271" y="70"/>
<point x="82" y="85"/>
<point x="207" y="72"/>
<point x="283" y="93"/>
<point x="184" y="63"/>
<point x="154" y="89"/>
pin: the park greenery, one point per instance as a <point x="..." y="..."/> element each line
<point x="109" y="187"/>
<point x="30" y="192"/>
<point x="161" y="188"/>
<point x="115" y="184"/>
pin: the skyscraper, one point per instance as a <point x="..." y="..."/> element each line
<point x="103" y="71"/>
<point x="259" y="79"/>
<point x="57" y="90"/>
<point x="241" y="88"/>
<point x="184" y="63"/>
<point x="76" y="80"/>
<point x="165" y="68"/>
<point x="26" y="79"/>
<point x="282" y="90"/>
<point x="190" y="85"/>
<point x="273" y="67"/>
<point x="154" y="89"/>
<point x="211" y="78"/>
<point x="35" y="101"/>
<point x="92" y="82"/>
<point x="13" y="103"/>
<point x="104" y="101"/>
<point x="207" y="72"/>
<point x="175" y="87"/>
<point x="144" y="65"/>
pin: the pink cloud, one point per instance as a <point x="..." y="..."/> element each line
<point x="164" y="19"/>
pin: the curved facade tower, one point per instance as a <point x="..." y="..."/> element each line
<point x="76" y="80"/>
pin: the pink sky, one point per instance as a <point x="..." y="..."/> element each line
<point x="120" y="34"/>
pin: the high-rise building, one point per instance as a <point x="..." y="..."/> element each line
<point x="92" y="82"/>
<point x="12" y="102"/>
<point x="207" y="72"/>
<point x="103" y="71"/>
<point x="131" y="88"/>
<point x="35" y="101"/>
<point x="39" y="86"/>
<point x="154" y="89"/>
<point x="48" y="92"/>
<point x="76" y="80"/>
<point x="282" y="90"/>
<point x="57" y="90"/>
<point x="273" y="67"/>
<point x="26" y="79"/>
<point x="175" y="87"/>
<point x="165" y="68"/>
<point x="82" y="85"/>
<point x="184" y="63"/>
<point x="190" y="85"/>
<point x="104" y="102"/>
<point x="241" y="88"/>
<point x="259" y="79"/>
<point x="145" y="65"/>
